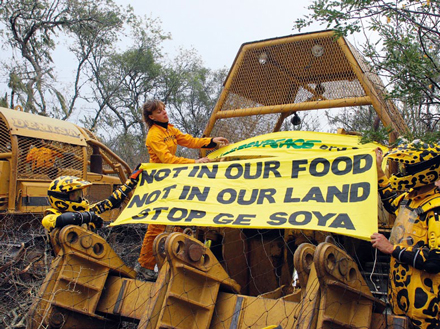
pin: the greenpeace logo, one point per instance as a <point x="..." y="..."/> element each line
<point x="288" y="143"/>
<point x="277" y="143"/>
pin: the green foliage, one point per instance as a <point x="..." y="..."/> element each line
<point x="123" y="80"/>
<point x="110" y="83"/>
<point x="129" y="147"/>
<point x="192" y="92"/>
<point x="380" y="135"/>
<point x="363" y="120"/>
<point x="354" y="119"/>
<point x="4" y="101"/>
<point x="402" y="45"/>
<point x="432" y="137"/>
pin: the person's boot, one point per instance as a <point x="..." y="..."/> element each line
<point x="149" y="275"/>
<point x="145" y="273"/>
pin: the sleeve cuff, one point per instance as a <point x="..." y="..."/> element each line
<point x="397" y="252"/>
<point x="211" y="144"/>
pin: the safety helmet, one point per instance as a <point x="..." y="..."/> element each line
<point x="60" y="189"/>
<point x="419" y="165"/>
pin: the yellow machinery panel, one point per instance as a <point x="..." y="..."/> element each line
<point x="45" y="128"/>
<point x="4" y="184"/>
<point x="102" y="187"/>
<point x="32" y="196"/>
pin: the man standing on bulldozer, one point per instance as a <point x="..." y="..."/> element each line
<point x="414" y="244"/>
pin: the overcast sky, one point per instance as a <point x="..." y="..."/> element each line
<point x="217" y="29"/>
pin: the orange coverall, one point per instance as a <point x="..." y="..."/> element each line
<point x="162" y="146"/>
<point x="42" y="157"/>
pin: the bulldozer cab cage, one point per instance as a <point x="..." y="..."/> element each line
<point x="273" y="79"/>
<point x="34" y="150"/>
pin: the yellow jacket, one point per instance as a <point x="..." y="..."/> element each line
<point x="162" y="144"/>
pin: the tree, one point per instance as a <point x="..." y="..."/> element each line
<point x="403" y="47"/>
<point x="192" y="92"/>
<point x="121" y="81"/>
<point x="109" y="84"/>
<point x="32" y="28"/>
<point x="4" y="101"/>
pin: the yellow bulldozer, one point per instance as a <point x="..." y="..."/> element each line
<point x="34" y="150"/>
<point x="242" y="278"/>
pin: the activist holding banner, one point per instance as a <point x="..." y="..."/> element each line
<point x="69" y="207"/>
<point x="332" y="190"/>
<point x="414" y="244"/>
<point x="162" y="140"/>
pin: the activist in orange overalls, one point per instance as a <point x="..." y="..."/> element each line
<point x="42" y="161"/>
<point x="162" y="141"/>
<point x="414" y="245"/>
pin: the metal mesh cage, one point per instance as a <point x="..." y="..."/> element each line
<point x="237" y="129"/>
<point x="292" y="72"/>
<point x="46" y="159"/>
<point x="272" y="79"/>
<point x="378" y="86"/>
<point x="5" y="139"/>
